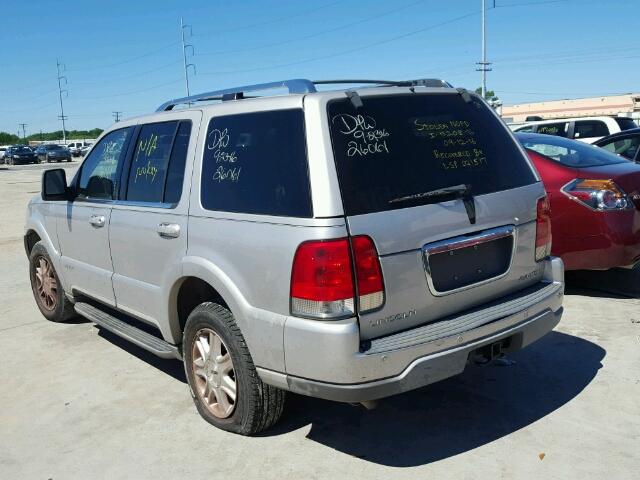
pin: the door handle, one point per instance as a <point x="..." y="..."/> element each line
<point x="97" y="221"/>
<point x="169" y="230"/>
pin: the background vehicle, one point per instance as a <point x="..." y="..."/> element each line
<point x="78" y="148"/>
<point x="587" y="129"/>
<point x="53" y="153"/>
<point x="3" y="149"/>
<point x="399" y="230"/>
<point x="625" y="143"/>
<point x="595" y="201"/>
<point x="20" y="154"/>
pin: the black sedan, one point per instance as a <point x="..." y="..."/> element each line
<point x="53" y="153"/>
<point x="19" y="154"/>
<point x="625" y="143"/>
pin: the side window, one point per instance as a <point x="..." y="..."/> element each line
<point x="257" y="163"/>
<point x="175" y="174"/>
<point x="99" y="175"/>
<point x="557" y="129"/>
<point x="627" y="147"/>
<point x="150" y="162"/>
<point x="590" y="128"/>
<point x="527" y="129"/>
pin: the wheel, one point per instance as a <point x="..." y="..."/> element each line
<point x="224" y="384"/>
<point x="10" y="161"/>
<point x="48" y="292"/>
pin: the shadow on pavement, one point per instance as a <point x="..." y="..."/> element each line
<point x="456" y="415"/>
<point x="614" y="283"/>
<point x="171" y="367"/>
<point x="441" y="420"/>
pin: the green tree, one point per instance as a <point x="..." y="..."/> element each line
<point x="8" y="138"/>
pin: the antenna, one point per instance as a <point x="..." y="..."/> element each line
<point x="186" y="65"/>
<point x="60" y="92"/>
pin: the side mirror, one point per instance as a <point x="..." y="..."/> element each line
<point x="54" y="185"/>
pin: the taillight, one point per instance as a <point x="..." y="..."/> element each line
<point x="368" y="274"/>
<point x="322" y="278"/>
<point x="543" y="229"/>
<point x="602" y="195"/>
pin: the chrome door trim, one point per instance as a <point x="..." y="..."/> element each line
<point x="464" y="241"/>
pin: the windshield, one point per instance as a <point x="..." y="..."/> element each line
<point x="23" y="150"/>
<point x="54" y="147"/>
<point x="568" y="152"/>
<point x="408" y="145"/>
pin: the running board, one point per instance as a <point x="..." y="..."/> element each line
<point x="141" y="338"/>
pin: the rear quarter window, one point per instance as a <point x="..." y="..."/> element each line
<point x="404" y="145"/>
<point x="257" y="163"/>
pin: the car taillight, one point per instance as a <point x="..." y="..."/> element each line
<point x="368" y="274"/>
<point x="601" y="195"/>
<point x="322" y="278"/>
<point x="543" y="229"/>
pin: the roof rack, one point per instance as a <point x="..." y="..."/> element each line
<point x="295" y="86"/>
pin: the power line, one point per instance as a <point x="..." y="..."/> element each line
<point x="273" y="20"/>
<point x="317" y="34"/>
<point x="129" y="60"/>
<point x="346" y="52"/>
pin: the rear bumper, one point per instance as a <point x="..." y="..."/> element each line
<point x="326" y="359"/>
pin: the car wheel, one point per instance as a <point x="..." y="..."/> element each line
<point x="46" y="287"/>
<point x="224" y="384"/>
<point x="10" y="160"/>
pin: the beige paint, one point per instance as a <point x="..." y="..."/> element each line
<point x="579" y="107"/>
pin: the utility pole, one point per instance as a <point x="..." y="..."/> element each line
<point x="24" y="133"/>
<point x="184" y="54"/>
<point x="60" y="91"/>
<point x="116" y="115"/>
<point x="484" y="65"/>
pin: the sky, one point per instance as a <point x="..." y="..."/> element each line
<point x="126" y="56"/>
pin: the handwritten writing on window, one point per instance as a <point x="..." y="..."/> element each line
<point x="145" y="150"/>
<point x="454" y="143"/>
<point x="366" y="138"/>
<point x="218" y="142"/>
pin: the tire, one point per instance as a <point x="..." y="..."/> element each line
<point x="59" y="308"/>
<point x="256" y="406"/>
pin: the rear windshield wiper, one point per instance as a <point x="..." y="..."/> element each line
<point x="455" y="191"/>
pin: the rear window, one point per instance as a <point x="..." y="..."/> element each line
<point x="557" y="129"/>
<point x="405" y="145"/>
<point x="257" y="163"/>
<point x="569" y="153"/>
<point x="625" y="123"/>
<point x="590" y="128"/>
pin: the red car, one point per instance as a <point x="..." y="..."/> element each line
<point x="595" y="202"/>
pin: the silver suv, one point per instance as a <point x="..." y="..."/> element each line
<point x="348" y="244"/>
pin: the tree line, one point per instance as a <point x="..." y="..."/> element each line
<point x="11" y="139"/>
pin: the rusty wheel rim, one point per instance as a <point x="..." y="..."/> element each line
<point x="46" y="284"/>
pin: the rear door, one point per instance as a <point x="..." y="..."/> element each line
<point x="148" y="234"/>
<point x="440" y="254"/>
<point x="83" y="229"/>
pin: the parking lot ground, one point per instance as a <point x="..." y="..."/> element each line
<point x="78" y="402"/>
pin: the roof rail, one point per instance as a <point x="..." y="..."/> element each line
<point x="298" y="85"/>
<point x="420" y="82"/>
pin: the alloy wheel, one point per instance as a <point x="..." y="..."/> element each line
<point x="46" y="284"/>
<point x="215" y="380"/>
